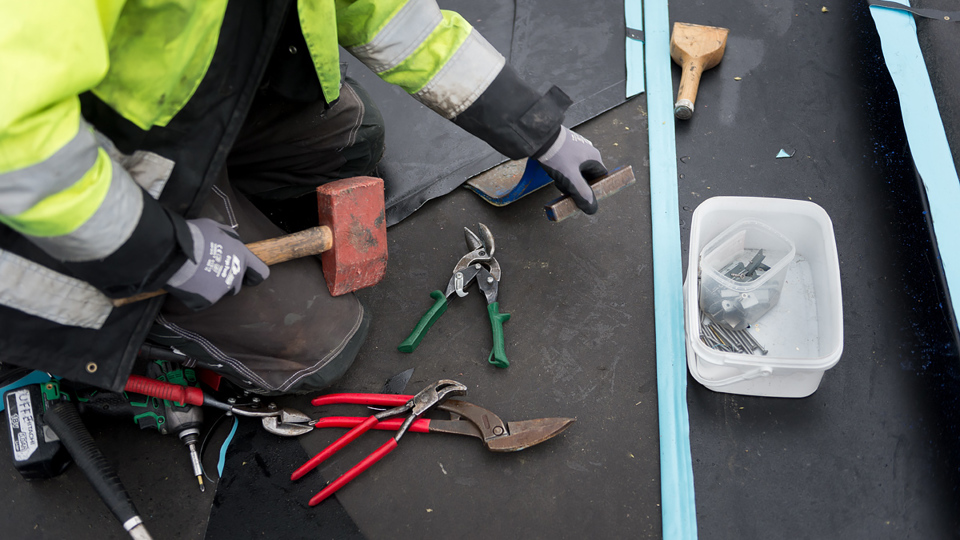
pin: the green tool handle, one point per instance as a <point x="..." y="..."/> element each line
<point x="498" y="356"/>
<point x="436" y="310"/>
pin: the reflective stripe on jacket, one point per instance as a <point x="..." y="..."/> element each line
<point x="435" y="55"/>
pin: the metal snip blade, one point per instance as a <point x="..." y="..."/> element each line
<point x="527" y="433"/>
<point x="487" y="238"/>
<point x="290" y="423"/>
<point x="473" y="241"/>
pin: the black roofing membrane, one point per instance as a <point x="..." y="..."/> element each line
<point x="871" y="454"/>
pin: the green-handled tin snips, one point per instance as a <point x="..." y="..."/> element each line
<point x="478" y="264"/>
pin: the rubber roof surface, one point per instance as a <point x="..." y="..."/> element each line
<point x="871" y="454"/>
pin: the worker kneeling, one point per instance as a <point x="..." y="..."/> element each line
<point x="143" y="149"/>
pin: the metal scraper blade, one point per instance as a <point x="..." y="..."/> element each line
<point x="395" y="385"/>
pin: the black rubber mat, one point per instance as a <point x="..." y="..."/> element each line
<point x="871" y="454"/>
<point x="256" y="498"/>
<point x="579" y="342"/>
<point x="580" y="345"/>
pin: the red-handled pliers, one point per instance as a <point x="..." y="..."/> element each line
<point x="422" y="402"/>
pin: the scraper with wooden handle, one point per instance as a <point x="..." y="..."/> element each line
<point x="696" y="49"/>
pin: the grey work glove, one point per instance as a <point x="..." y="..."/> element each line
<point x="571" y="161"/>
<point x="219" y="264"/>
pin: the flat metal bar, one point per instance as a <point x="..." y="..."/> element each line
<point x="564" y="207"/>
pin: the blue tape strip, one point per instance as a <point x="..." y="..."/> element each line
<point x="677" y="500"/>
<point x="925" y="133"/>
<point x="633" y="14"/>
<point x="224" y="446"/>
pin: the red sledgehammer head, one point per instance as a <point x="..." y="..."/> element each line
<point x="354" y="211"/>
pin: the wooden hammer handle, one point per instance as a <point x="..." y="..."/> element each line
<point x="691" y="70"/>
<point x="271" y="251"/>
<point x="293" y="246"/>
<point x="690" y="79"/>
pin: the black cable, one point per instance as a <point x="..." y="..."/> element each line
<point x="64" y="420"/>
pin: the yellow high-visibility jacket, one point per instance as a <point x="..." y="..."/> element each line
<point x="84" y="217"/>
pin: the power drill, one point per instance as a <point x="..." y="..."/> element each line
<point x="183" y="419"/>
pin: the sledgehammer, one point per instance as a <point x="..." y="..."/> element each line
<point x="351" y="238"/>
<point x="696" y="48"/>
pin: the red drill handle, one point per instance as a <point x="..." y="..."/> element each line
<point x="159" y="389"/>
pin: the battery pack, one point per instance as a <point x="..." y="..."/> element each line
<point x="37" y="451"/>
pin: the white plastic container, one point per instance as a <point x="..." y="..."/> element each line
<point x="803" y="333"/>
<point x="739" y="303"/>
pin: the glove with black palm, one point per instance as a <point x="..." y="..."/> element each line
<point x="572" y="161"/>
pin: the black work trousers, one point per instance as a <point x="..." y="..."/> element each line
<point x="286" y="335"/>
